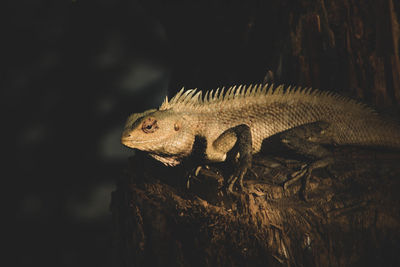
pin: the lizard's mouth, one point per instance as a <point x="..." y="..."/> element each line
<point x="128" y="141"/>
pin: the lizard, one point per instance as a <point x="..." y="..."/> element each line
<point x="241" y="118"/>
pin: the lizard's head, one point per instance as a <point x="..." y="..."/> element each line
<point x="162" y="133"/>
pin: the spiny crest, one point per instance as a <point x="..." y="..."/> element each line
<point x="193" y="98"/>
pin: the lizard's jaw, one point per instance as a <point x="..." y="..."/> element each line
<point x="133" y="143"/>
<point x="141" y="145"/>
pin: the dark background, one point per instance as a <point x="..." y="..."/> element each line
<point x="74" y="70"/>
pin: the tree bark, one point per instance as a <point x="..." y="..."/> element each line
<point x="350" y="219"/>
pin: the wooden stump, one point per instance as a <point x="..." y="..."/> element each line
<point x="352" y="216"/>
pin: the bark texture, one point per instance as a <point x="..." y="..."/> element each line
<point x="351" y="218"/>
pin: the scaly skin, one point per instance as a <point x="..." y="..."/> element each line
<point x="223" y="118"/>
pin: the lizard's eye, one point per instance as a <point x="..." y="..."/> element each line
<point x="149" y="125"/>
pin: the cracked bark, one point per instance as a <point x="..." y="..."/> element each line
<point x="350" y="219"/>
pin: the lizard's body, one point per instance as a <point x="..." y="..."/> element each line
<point x="255" y="113"/>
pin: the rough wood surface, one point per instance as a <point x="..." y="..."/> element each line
<point x="351" y="218"/>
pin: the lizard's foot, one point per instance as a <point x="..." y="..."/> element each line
<point x="305" y="174"/>
<point x="307" y="140"/>
<point x="296" y="176"/>
<point x="237" y="176"/>
<point x="231" y="183"/>
<point x="194" y="174"/>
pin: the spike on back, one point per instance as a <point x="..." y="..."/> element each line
<point x="194" y="99"/>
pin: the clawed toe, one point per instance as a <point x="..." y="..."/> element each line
<point x="294" y="177"/>
<point x="231" y="183"/>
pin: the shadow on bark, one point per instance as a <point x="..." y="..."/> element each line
<point x="351" y="218"/>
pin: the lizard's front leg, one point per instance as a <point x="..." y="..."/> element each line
<point x="234" y="144"/>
